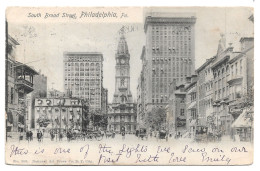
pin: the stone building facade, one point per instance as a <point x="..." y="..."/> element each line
<point x="83" y="76"/>
<point x="176" y="111"/>
<point x="205" y="95"/>
<point x="169" y="54"/>
<point x="19" y="83"/>
<point x="60" y="114"/>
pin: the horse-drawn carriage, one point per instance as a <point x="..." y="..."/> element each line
<point x="162" y="134"/>
<point x="201" y="134"/>
<point x="141" y="133"/>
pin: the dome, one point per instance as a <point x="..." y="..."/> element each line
<point x="122" y="47"/>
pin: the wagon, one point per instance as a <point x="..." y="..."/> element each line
<point x="142" y="133"/>
<point x="201" y="134"/>
<point x="163" y="134"/>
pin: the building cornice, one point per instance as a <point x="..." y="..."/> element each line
<point x="168" y="20"/>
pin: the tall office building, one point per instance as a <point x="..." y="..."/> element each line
<point x="169" y="54"/>
<point x="83" y="76"/>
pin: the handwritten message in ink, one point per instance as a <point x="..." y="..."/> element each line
<point x="107" y="154"/>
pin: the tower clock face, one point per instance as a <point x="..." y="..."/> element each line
<point x="122" y="61"/>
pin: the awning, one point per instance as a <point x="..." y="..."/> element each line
<point x="192" y="90"/>
<point x="192" y="105"/>
<point x="242" y="121"/>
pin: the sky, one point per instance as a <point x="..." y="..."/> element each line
<point x="42" y="44"/>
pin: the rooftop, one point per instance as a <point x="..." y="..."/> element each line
<point x="82" y="53"/>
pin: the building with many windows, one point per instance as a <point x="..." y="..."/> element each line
<point x="191" y="104"/>
<point x="60" y="114"/>
<point x="205" y="95"/>
<point x="122" y="112"/>
<point x="221" y="73"/>
<point x="83" y="77"/>
<point x="241" y="82"/>
<point x="169" y="54"/>
<point x="19" y="83"/>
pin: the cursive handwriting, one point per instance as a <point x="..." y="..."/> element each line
<point x="163" y="149"/>
<point x="61" y="150"/>
<point x="220" y="158"/>
<point x="193" y="150"/>
<point x="176" y="159"/>
<point x="239" y="150"/>
<point x="18" y="151"/>
<point x="104" y="149"/>
<point x="86" y="148"/>
<point x="150" y="158"/>
<point x="129" y="150"/>
<point x="39" y="151"/>
<point x="105" y="159"/>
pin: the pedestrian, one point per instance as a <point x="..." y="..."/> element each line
<point x="60" y="137"/>
<point x="68" y="136"/>
<point x="52" y="135"/>
<point x="41" y="136"/>
<point x="28" y="136"/>
<point x="113" y="133"/>
<point x="123" y="133"/>
<point x="38" y="136"/>
<point x="31" y="135"/>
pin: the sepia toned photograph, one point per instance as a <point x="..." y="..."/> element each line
<point x="129" y="86"/>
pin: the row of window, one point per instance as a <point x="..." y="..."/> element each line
<point x="81" y="64"/>
<point x="82" y="74"/>
<point x="234" y="69"/>
<point x="172" y="38"/>
<point x="222" y="92"/>
<point x="72" y="69"/>
<point x="83" y="58"/>
<point x="181" y="59"/>
<point x="171" y="50"/>
<point x="162" y="100"/>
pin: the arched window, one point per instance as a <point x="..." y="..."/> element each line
<point x="123" y="99"/>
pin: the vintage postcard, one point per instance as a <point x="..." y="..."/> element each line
<point x="129" y="86"/>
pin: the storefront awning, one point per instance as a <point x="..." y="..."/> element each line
<point x="242" y="121"/>
<point x="192" y="105"/>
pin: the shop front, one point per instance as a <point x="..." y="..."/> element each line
<point x="242" y="127"/>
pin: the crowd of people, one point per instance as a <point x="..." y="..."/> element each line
<point x="70" y="134"/>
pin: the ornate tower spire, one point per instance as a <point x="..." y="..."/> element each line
<point x="122" y="47"/>
<point x="122" y="88"/>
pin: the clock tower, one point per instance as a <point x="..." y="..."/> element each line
<point x="122" y="111"/>
<point x="122" y="93"/>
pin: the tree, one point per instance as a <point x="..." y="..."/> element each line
<point x="156" y="118"/>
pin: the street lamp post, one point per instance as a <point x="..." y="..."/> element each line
<point x="61" y="103"/>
